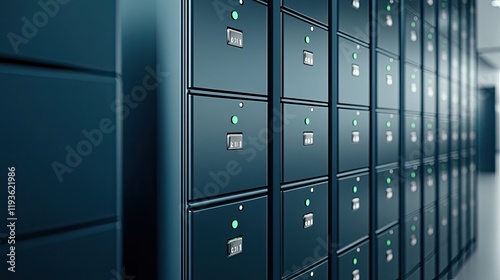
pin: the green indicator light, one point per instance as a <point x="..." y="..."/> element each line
<point x="307" y="121"/>
<point x="355" y="122"/>
<point x="388" y="8"/>
<point x="234" y="224"/>
<point x="429" y="125"/>
<point x="307" y="39"/>
<point x="413" y="76"/>
<point x="413" y="174"/>
<point x="388" y="124"/>
<point x="413" y="228"/>
<point x="234" y="119"/>
<point x="234" y="15"/>
<point x="443" y="4"/>
<point x="388" y="242"/>
<point x="308" y="202"/>
<point x="413" y="24"/>
<point x="355" y="189"/>
<point x="388" y="180"/>
<point x="429" y="170"/>
<point x="355" y="261"/>
<point x="388" y="67"/>
<point x="429" y="36"/>
<point x="413" y="125"/>
<point x="354" y="55"/>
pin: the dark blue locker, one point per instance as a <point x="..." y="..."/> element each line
<point x="430" y="47"/>
<point x="444" y="178"/>
<point x="353" y="139"/>
<point x="355" y="263"/>
<point x="413" y="88"/>
<point x="413" y="37"/>
<point x="387" y="197"/>
<point x="429" y="183"/>
<point x="412" y="239"/>
<point x="305" y="60"/>
<point x="354" y="73"/>
<point x="388" y="254"/>
<point x="388" y="81"/>
<point x="388" y="25"/>
<point x="412" y="189"/>
<point x="353" y="19"/>
<point x="387" y="138"/>
<point x="429" y="231"/>
<point x="413" y="137"/>
<point x="229" y="47"/>
<point x="430" y="137"/>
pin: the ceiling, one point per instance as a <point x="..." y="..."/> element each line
<point x="488" y="32"/>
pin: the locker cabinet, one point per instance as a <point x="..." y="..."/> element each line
<point x="317" y="9"/>
<point x="230" y="156"/>
<point x="430" y="46"/>
<point x="61" y="139"/>
<point x="387" y="138"/>
<point x="444" y="221"/>
<point x="455" y="172"/>
<point x="355" y="263"/>
<point x="413" y="37"/>
<point x="443" y="56"/>
<point x="305" y="226"/>
<point x="387" y="197"/>
<point x="455" y="135"/>
<point x="429" y="93"/>
<point x="411" y="243"/>
<point x="429" y="231"/>
<point x="353" y="19"/>
<point x="455" y="98"/>
<point x="229" y="48"/>
<point x="413" y="132"/>
<point x="444" y="97"/>
<point x="443" y="17"/>
<point x="387" y="82"/>
<point x="455" y="24"/>
<point x="305" y="60"/>
<point x="353" y="139"/>
<point x="444" y="179"/>
<point x="443" y="136"/>
<point x="388" y="25"/>
<point x="388" y="254"/>
<point x="455" y="226"/>
<point x="443" y="259"/>
<point x="429" y="183"/>
<point x="354" y="73"/>
<point x="353" y="205"/>
<point x="413" y="88"/>
<point x="228" y="238"/>
<point x="412" y="189"/>
<point x="430" y="137"/>
<point x="305" y="142"/>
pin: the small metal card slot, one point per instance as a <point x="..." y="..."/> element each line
<point x="413" y="35"/>
<point x="355" y="4"/>
<point x="355" y="204"/>
<point x="355" y="70"/>
<point x="234" y="246"/>
<point x="234" y="38"/>
<point x="430" y="230"/>
<point x="388" y="80"/>
<point x="308" y="58"/>
<point x="355" y="137"/>
<point x="308" y="220"/>
<point x="413" y="136"/>
<point x="413" y="240"/>
<point x="430" y="91"/>
<point x="355" y="275"/>
<point x="413" y="87"/>
<point x="234" y="141"/>
<point x="308" y="138"/>
<point x="389" y="255"/>
<point x="388" y="20"/>
<point x="389" y="193"/>
<point x="388" y="136"/>
<point x="430" y="136"/>
<point x="413" y="186"/>
<point x="430" y="182"/>
<point x="430" y="47"/>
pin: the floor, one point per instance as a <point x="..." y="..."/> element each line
<point x="485" y="263"/>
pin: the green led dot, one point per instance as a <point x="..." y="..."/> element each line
<point x="308" y="202"/>
<point x="429" y="36"/>
<point x="413" y="24"/>
<point x="443" y="4"/>
<point x="388" y="242"/>
<point x="307" y="39"/>
<point x="234" y="224"/>
<point x="413" y="125"/>
<point x="413" y="76"/>
<point x="388" y="124"/>
<point x="413" y="228"/>
<point x="307" y="121"/>
<point x="355" y="189"/>
<point x="388" y="8"/>
<point x="354" y="55"/>
<point x="429" y="170"/>
<point x="413" y="174"/>
<point x="388" y="67"/>
<point x="429" y="125"/>
<point x="355" y="261"/>
<point x="388" y="180"/>
<point x="234" y="15"/>
<point x="355" y="122"/>
<point x="234" y="119"/>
